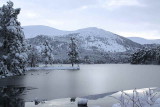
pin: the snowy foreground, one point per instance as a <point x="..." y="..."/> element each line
<point x="54" y="68"/>
<point x="141" y="98"/>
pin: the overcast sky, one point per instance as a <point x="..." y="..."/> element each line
<point x="139" y="18"/>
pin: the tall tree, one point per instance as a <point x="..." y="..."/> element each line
<point x="13" y="49"/>
<point x="73" y="53"/>
<point x="33" y="56"/>
<point x="47" y="53"/>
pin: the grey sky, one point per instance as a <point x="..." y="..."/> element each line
<point x="125" y="17"/>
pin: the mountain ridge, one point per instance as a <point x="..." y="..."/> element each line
<point x="144" y="41"/>
<point x="34" y="30"/>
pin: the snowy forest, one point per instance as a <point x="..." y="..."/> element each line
<point x="15" y="53"/>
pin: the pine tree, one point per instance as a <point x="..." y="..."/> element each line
<point x="47" y="53"/>
<point x="13" y="48"/>
<point x="33" y="56"/>
<point x="73" y="53"/>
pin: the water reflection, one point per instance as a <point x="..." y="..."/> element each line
<point x="10" y="96"/>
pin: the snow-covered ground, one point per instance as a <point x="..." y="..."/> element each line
<point x="101" y="100"/>
<point x="55" y="67"/>
<point x="147" y="97"/>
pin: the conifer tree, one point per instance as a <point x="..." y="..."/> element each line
<point x="13" y="56"/>
<point x="47" y="53"/>
<point x="73" y="53"/>
<point x="33" y="56"/>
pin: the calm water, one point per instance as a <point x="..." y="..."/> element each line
<point x="89" y="80"/>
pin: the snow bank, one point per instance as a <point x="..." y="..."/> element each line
<point x="98" y="96"/>
<point x="82" y="102"/>
<point x="53" y="68"/>
<point x="139" y="98"/>
<point x="116" y="105"/>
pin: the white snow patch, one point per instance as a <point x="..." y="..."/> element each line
<point x="82" y="101"/>
<point x="54" y="68"/>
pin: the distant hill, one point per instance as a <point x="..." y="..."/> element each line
<point x="144" y="41"/>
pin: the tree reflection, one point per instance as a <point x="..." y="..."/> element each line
<point x="10" y="96"/>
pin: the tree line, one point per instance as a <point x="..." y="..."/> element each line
<point x="146" y="56"/>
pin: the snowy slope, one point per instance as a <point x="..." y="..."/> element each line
<point x="91" y="38"/>
<point x="34" y="30"/>
<point x="144" y="41"/>
<point x="91" y="49"/>
<point x="102" y="41"/>
<point x="105" y="40"/>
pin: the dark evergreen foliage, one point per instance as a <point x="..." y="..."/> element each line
<point x="146" y="56"/>
<point x="33" y="56"/>
<point x="73" y="53"/>
<point x="47" y="53"/>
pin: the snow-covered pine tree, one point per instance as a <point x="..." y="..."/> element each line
<point x="33" y="56"/>
<point x="13" y="51"/>
<point x="47" y="53"/>
<point x="73" y="53"/>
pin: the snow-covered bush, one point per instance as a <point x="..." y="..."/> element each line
<point x="147" y="98"/>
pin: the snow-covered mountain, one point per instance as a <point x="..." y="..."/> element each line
<point x="34" y="30"/>
<point x="144" y="41"/>
<point x="93" y="38"/>
<point x="105" y="40"/>
<point x="96" y="44"/>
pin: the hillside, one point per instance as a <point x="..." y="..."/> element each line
<point x="96" y="45"/>
<point x="92" y="48"/>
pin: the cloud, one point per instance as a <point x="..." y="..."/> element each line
<point x="30" y="14"/>
<point x="124" y="3"/>
<point x="116" y="4"/>
<point x="126" y="17"/>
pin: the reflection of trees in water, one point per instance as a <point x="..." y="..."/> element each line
<point x="9" y="97"/>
